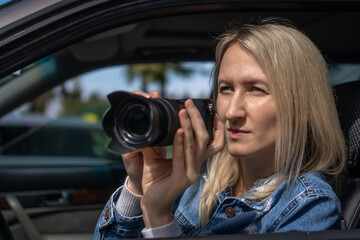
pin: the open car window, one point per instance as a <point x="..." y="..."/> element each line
<point x="66" y="120"/>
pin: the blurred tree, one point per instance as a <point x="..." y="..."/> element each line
<point x="74" y="104"/>
<point x="39" y="104"/>
<point x="156" y="72"/>
<point x="71" y="101"/>
<point x="96" y="105"/>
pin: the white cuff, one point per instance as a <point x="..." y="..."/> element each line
<point x="128" y="203"/>
<point x="171" y="229"/>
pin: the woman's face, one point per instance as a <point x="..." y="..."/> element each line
<point x="246" y="107"/>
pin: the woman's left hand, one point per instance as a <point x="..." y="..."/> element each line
<point x="190" y="150"/>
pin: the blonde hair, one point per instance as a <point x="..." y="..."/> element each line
<point x="309" y="137"/>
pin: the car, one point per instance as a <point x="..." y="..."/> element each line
<point x="59" y="60"/>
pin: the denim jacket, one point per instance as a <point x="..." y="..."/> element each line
<point x="310" y="205"/>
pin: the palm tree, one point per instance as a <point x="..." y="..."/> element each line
<point x="156" y="72"/>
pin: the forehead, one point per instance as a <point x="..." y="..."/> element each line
<point x="238" y="64"/>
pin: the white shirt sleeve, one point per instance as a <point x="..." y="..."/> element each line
<point x="128" y="203"/>
<point x="171" y="229"/>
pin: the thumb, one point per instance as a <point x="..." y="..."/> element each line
<point x="150" y="155"/>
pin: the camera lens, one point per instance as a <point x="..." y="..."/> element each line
<point x="137" y="120"/>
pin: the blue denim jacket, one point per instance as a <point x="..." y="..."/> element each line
<point x="311" y="205"/>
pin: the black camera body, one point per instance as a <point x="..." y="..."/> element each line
<point x="134" y="122"/>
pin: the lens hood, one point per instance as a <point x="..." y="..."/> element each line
<point x="123" y="141"/>
<point x="134" y="122"/>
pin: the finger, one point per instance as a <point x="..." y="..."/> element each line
<point x="200" y="132"/>
<point x="161" y="151"/>
<point x="155" y="94"/>
<point x="132" y="159"/>
<point x="141" y="93"/>
<point x="189" y="145"/>
<point x="178" y="153"/>
<point x="130" y="155"/>
<point x="218" y="142"/>
<point x="197" y="122"/>
<point x="179" y="170"/>
<point x="150" y="155"/>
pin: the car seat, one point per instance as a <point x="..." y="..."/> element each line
<point x="347" y="98"/>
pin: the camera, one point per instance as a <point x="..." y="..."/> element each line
<point x="134" y="122"/>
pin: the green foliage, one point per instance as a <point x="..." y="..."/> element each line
<point x="156" y="72"/>
<point x="72" y="102"/>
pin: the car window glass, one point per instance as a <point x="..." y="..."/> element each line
<point x="66" y="120"/>
<point x="344" y="72"/>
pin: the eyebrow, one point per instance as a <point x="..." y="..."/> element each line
<point x="245" y="81"/>
<point x="224" y="82"/>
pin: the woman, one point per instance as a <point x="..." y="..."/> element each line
<point x="282" y="139"/>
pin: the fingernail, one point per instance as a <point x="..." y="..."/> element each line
<point x="189" y="103"/>
<point x="146" y="95"/>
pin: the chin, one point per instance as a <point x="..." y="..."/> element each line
<point x="236" y="152"/>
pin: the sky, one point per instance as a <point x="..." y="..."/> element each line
<point x="107" y="80"/>
<point x="104" y="81"/>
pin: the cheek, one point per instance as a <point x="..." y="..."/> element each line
<point x="263" y="114"/>
<point x="268" y="118"/>
<point x="272" y="115"/>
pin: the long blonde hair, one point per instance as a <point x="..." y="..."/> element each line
<point x="309" y="137"/>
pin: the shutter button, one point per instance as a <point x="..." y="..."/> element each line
<point x="230" y="212"/>
<point x="106" y="215"/>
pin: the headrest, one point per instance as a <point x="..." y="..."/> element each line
<point x="347" y="97"/>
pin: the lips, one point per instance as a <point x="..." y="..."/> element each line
<point x="237" y="133"/>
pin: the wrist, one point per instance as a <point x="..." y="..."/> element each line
<point x="166" y="231"/>
<point x="156" y="217"/>
<point x="156" y="220"/>
<point x="131" y="187"/>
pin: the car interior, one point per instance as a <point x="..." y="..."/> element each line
<point x="43" y="196"/>
<point x="349" y="114"/>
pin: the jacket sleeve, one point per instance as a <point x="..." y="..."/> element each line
<point x="115" y="223"/>
<point x="309" y="212"/>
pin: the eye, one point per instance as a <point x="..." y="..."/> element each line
<point x="223" y="89"/>
<point x="257" y="90"/>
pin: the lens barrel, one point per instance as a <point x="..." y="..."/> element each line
<point x="134" y="122"/>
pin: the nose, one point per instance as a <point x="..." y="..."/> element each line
<point x="236" y="108"/>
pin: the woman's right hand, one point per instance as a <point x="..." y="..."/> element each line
<point x="134" y="161"/>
